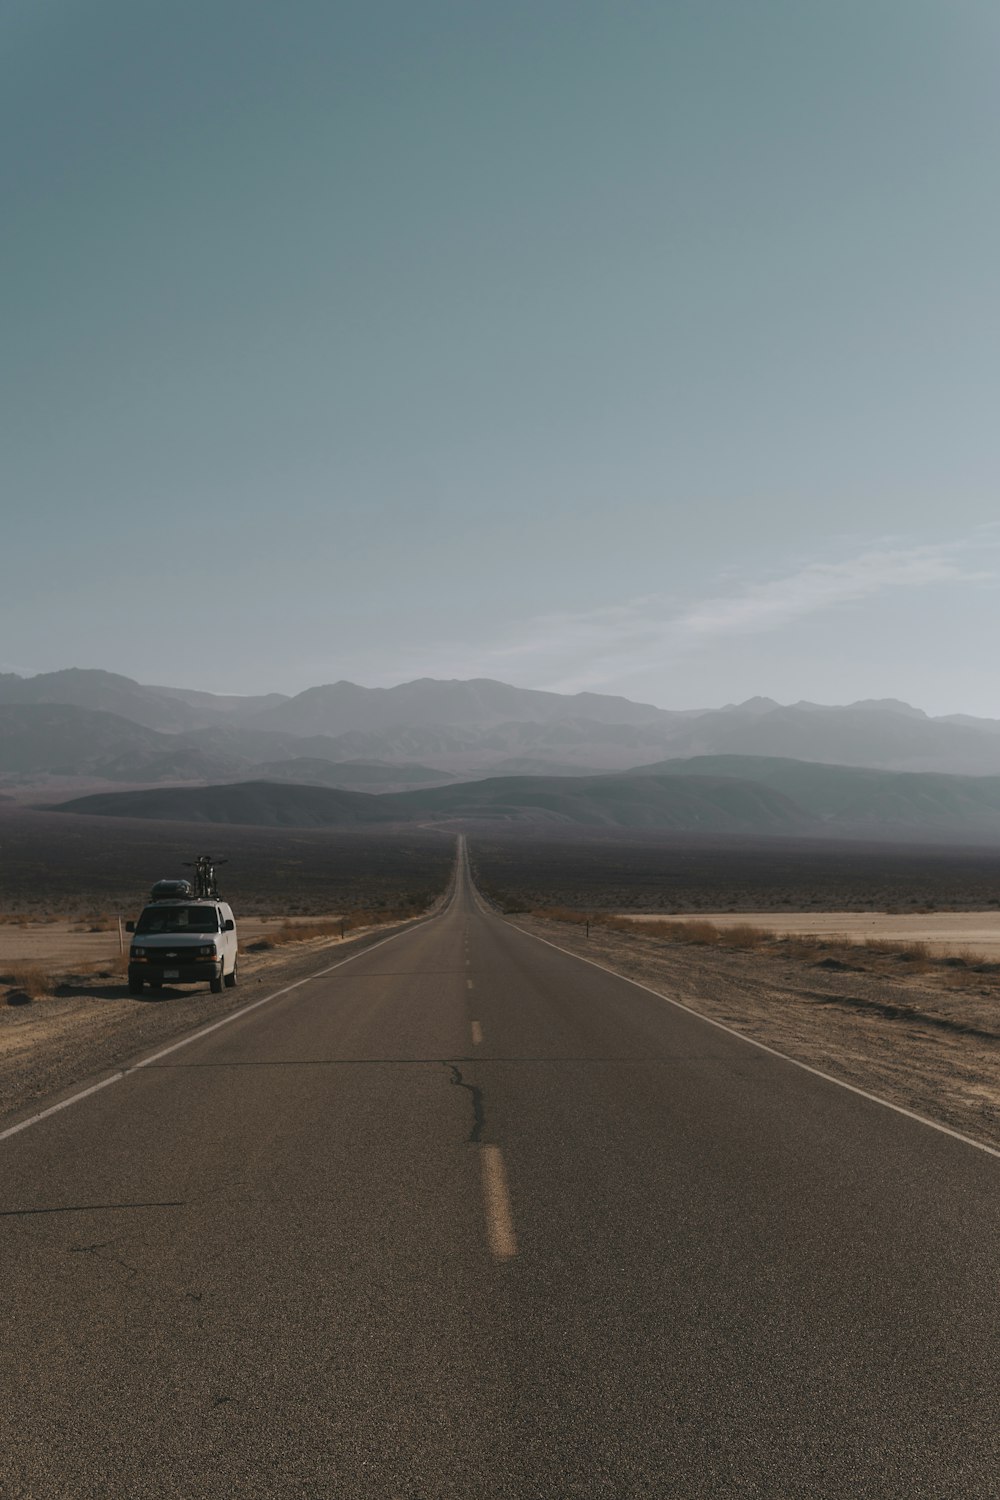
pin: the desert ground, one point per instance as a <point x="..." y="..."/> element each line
<point x="58" y="865"/>
<point x="686" y="876"/>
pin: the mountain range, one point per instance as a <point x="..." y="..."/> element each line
<point x="100" y="726"/>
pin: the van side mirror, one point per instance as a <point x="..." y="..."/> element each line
<point x="230" y="925"/>
<point x="129" y="926"/>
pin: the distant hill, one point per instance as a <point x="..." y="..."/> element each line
<point x="360" y="775"/>
<point x="57" y="738"/>
<point x="718" y="795"/>
<point x="895" y="737"/>
<point x="170" y="710"/>
<point x="61" y="739"/>
<point x="263" y="803"/>
<point x="538" y="765"/>
<point x="577" y="745"/>
<point x="707" y="804"/>
<point x="172" y="762"/>
<point x="258" y="745"/>
<point x="219" y="705"/>
<point x="106" y="692"/>
<point x="860" y="800"/>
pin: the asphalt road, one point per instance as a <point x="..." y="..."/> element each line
<point x="469" y="1218"/>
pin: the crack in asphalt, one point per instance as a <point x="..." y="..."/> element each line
<point x="95" y="1250"/>
<point x="478" y="1105"/>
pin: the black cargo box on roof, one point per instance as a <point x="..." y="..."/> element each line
<point x="171" y="890"/>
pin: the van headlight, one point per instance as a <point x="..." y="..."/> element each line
<point x="206" y="951"/>
<point x="137" y="953"/>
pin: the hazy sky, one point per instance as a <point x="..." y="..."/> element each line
<point x="645" y="347"/>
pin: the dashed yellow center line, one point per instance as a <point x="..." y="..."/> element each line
<point x="477" y="1033"/>
<point x="496" y="1200"/>
<point x="469" y="985"/>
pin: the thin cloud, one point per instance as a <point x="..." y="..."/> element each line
<point x="592" y="649"/>
<point x="820" y="586"/>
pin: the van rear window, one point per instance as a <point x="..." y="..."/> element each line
<point x="178" y="919"/>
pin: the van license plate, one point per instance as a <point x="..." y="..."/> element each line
<point x="171" y="973"/>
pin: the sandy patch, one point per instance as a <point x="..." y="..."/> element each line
<point x="946" y="932"/>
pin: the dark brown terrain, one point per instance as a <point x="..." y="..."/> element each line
<point x="57" y="864"/>
<point x="660" y="873"/>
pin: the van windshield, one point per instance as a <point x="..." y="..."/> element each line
<point x="178" y="919"/>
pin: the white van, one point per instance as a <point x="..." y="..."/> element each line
<point x="185" y="941"/>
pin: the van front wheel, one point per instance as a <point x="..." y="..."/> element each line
<point x="215" y="984"/>
<point x="229" y="980"/>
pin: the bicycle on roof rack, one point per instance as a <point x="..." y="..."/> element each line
<point x="206" y="883"/>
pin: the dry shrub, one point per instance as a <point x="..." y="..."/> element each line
<point x="803" y="949"/>
<point x="303" y="932"/>
<point x="565" y="914"/>
<point x="744" y="935"/>
<point x="911" y="952"/>
<point x="29" y="979"/>
<point x="964" y="979"/>
<point x="95" y="921"/>
<point x="916" y="956"/>
<point x="672" y="930"/>
<point x="704" y="934"/>
<point x="115" y="966"/>
<point x="695" y="931"/>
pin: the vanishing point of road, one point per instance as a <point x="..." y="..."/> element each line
<point x="465" y="1216"/>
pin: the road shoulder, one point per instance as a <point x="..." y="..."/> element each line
<point x="61" y="1043"/>
<point x="925" y="1050"/>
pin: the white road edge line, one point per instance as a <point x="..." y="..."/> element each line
<point x="496" y="1200"/>
<point x="196" y="1036"/>
<point x="841" y="1083"/>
